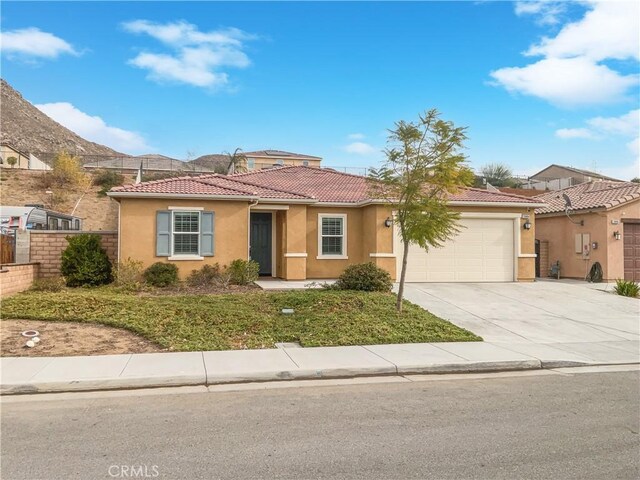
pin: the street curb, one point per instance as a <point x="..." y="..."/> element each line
<point x="256" y="377"/>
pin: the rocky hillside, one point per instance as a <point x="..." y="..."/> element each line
<point x="27" y="129"/>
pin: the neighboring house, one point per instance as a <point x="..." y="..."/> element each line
<point x="24" y="161"/>
<point x="557" y="177"/>
<point x="310" y="223"/>
<point x="603" y="226"/>
<point x="261" y="159"/>
<point x="36" y="217"/>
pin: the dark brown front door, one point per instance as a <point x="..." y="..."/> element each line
<point x="632" y="251"/>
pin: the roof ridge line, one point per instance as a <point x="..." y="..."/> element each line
<point x="226" y="187"/>
<point x="500" y="192"/>
<point x="274" y="189"/>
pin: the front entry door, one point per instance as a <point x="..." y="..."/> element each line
<point x="260" y="238"/>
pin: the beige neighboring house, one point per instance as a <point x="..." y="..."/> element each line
<point x="556" y="177"/>
<point x="303" y="222"/>
<point x="24" y="161"/>
<point x="277" y="158"/>
<point x="603" y="226"/>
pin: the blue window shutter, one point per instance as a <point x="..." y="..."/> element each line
<point x="163" y="233"/>
<point x="207" y="228"/>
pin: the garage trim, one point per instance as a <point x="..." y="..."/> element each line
<point x="516" y="217"/>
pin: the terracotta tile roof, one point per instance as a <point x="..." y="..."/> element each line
<point x="598" y="194"/>
<point x="295" y="183"/>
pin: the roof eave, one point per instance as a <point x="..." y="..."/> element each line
<point x="463" y="203"/>
<point x="206" y="196"/>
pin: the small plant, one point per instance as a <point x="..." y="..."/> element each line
<point x="161" y="274"/>
<point x="128" y="274"/>
<point x="12" y="161"/>
<point x="52" y="284"/>
<point x="244" y="272"/>
<point x="364" y="276"/>
<point x="67" y="172"/>
<point x="206" y="276"/>
<point x="627" y="288"/>
<point x="85" y="262"/>
<point x="107" y="179"/>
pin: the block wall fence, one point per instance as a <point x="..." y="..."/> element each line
<point x="16" y="278"/>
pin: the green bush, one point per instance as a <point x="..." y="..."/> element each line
<point x="627" y="288"/>
<point x="243" y="272"/>
<point x="85" y="262"/>
<point x="107" y="179"/>
<point x="161" y="274"/>
<point x="366" y="277"/>
<point x="208" y="275"/>
<point x="128" y="274"/>
<point x="53" y="284"/>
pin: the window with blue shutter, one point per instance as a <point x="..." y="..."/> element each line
<point x="163" y="233"/>
<point x="207" y="234"/>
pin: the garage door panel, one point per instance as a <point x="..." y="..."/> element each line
<point x="483" y="251"/>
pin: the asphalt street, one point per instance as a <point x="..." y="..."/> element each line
<point x="546" y="425"/>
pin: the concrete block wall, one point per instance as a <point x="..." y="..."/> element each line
<point x="46" y="247"/>
<point x="544" y="259"/>
<point x="16" y="278"/>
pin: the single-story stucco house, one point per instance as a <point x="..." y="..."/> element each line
<point x="309" y="223"/>
<point x="603" y="226"/>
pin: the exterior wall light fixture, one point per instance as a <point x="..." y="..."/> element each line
<point x="617" y="235"/>
<point x="527" y="225"/>
<point x="388" y="222"/>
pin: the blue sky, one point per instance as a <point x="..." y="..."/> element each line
<point x="535" y="82"/>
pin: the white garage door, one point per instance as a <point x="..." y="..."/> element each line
<point x="481" y="252"/>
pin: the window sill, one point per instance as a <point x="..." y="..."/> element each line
<point x="185" y="257"/>
<point x="332" y="257"/>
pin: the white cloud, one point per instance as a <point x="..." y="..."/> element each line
<point x="360" y="148"/>
<point x="574" y="133"/>
<point x="627" y="125"/>
<point x="32" y="43"/>
<point x="567" y="81"/>
<point x="95" y="129"/>
<point x="546" y="12"/>
<point x="610" y="30"/>
<point x="569" y="74"/>
<point x="356" y="136"/>
<point x="195" y="58"/>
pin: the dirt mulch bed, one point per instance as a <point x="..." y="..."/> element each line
<point x="69" y="338"/>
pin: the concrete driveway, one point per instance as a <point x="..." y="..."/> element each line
<point x="543" y="312"/>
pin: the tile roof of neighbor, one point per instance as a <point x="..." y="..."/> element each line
<point x="278" y="153"/>
<point x="596" y="194"/>
<point x="295" y="183"/>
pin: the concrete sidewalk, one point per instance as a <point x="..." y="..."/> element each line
<point x="101" y="372"/>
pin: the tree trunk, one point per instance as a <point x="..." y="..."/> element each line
<point x="403" y="274"/>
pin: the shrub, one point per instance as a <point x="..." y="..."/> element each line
<point x="627" y="288"/>
<point x="161" y="274"/>
<point x="107" y="179"/>
<point x="206" y="276"/>
<point x="128" y="274"/>
<point x="12" y="161"/>
<point x="53" y="284"/>
<point x="364" y="276"/>
<point x="243" y="272"/>
<point x="85" y="262"/>
<point x="67" y="172"/>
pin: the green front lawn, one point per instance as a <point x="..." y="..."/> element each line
<point x="247" y="320"/>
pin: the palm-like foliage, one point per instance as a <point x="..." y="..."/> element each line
<point x="424" y="164"/>
<point x="497" y="174"/>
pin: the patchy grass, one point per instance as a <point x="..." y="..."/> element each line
<point x="247" y="320"/>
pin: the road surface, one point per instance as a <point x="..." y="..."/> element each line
<point x="548" y="425"/>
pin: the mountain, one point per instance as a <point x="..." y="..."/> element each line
<point x="214" y="161"/>
<point x="27" y="129"/>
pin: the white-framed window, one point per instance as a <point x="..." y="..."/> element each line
<point x="185" y="229"/>
<point x="305" y="163"/>
<point x="279" y="162"/>
<point x="332" y="236"/>
<point x="251" y="163"/>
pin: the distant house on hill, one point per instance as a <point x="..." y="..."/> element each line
<point x="256" y="160"/>
<point x="23" y="160"/>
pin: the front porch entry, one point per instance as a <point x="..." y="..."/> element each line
<point x="261" y="241"/>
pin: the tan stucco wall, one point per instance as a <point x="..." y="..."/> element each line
<point x="560" y="232"/>
<point x="6" y="152"/>
<point x="138" y="231"/>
